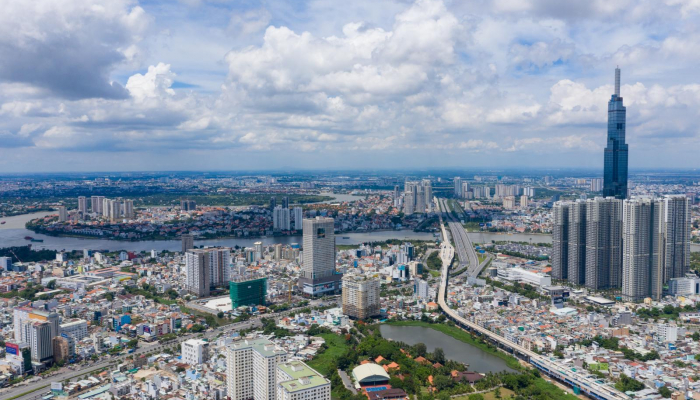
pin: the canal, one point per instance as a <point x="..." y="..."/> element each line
<point x="477" y="359"/>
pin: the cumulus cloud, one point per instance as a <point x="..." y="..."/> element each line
<point x="405" y="83"/>
<point x="69" y="47"/>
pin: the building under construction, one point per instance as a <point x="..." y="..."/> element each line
<point x="246" y="291"/>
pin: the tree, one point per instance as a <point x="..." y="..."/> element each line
<point x="220" y="314"/>
<point x="497" y="393"/>
<point x="665" y="392"/>
<point x="439" y="355"/>
<point x="420" y="349"/>
<point x="443" y="382"/>
<point x="51" y="285"/>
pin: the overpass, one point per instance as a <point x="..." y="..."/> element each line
<point x="465" y="248"/>
<point x="575" y="379"/>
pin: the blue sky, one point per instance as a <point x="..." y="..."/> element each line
<point x="89" y="85"/>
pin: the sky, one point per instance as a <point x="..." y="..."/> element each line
<point x="124" y="85"/>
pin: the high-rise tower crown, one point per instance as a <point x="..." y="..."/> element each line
<point x="617" y="82"/>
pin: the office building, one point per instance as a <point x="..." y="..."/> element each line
<point x="458" y="187"/>
<point x="686" y="286"/>
<point x="616" y="151"/>
<point x="421" y="289"/>
<point x="96" y="204"/>
<point x="76" y="329"/>
<point x="676" y="236"/>
<point x="197" y="272"/>
<point x="82" y="206"/>
<point x="6" y="263"/>
<point x="187" y="242"/>
<point x="40" y="338"/>
<point x="273" y="203"/>
<point x="194" y="351"/>
<point x="298" y="213"/>
<point x="298" y="381"/>
<point x="281" y="219"/>
<point x="397" y="196"/>
<point x="318" y="274"/>
<point x="285" y="202"/>
<point x="128" y="208"/>
<point x="245" y="291"/>
<point x="603" y="243"/>
<point x="251" y="369"/>
<point x="62" y="214"/>
<point x="360" y="296"/>
<point x="642" y="249"/>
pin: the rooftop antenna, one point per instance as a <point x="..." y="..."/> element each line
<point x="617" y="81"/>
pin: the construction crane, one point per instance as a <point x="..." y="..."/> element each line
<point x="13" y="253"/>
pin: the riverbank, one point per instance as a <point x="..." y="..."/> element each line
<point x="465" y="337"/>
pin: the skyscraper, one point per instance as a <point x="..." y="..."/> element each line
<point x="318" y="274"/>
<point x="251" y="369"/>
<point x="96" y="204"/>
<point x="280" y="219"/>
<point x="360" y="296"/>
<point x="616" y="151"/>
<point x="458" y="187"/>
<point x="676" y="236"/>
<point x="128" y="209"/>
<point x="577" y="242"/>
<point x="198" y="272"/>
<point x="642" y="249"/>
<point x="82" y="205"/>
<point x="298" y="213"/>
<point x="187" y="242"/>
<point x="62" y="214"/>
<point x="603" y="243"/>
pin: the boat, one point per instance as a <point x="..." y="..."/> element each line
<point x="37" y="240"/>
<point x="346" y="237"/>
<point x="28" y="238"/>
<point x="3" y="222"/>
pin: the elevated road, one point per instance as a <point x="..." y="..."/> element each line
<point x="579" y="380"/>
<point x="464" y="247"/>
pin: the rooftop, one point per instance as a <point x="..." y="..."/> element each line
<point x="303" y="377"/>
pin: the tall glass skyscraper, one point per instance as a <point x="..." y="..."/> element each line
<point x="616" y="152"/>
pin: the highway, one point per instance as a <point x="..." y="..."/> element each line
<point x="38" y="389"/>
<point x="586" y="383"/>
<point x="465" y="248"/>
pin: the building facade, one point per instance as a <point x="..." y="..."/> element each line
<point x="642" y="249"/>
<point x="616" y="151"/>
<point x="360" y="296"/>
<point x="318" y="273"/>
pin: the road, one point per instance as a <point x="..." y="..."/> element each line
<point x="465" y="248"/>
<point x="39" y="388"/>
<point x="564" y="374"/>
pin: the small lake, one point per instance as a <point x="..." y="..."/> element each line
<point x="478" y="360"/>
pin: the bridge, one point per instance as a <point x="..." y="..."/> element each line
<point x="549" y="366"/>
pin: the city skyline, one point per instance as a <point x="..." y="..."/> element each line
<point x="202" y="85"/>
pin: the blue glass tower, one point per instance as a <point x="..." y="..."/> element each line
<point x="616" y="152"/>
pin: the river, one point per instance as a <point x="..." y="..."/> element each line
<point x="478" y="360"/>
<point x="12" y="233"/>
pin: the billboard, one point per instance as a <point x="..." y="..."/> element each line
<point x="11" y="348"/>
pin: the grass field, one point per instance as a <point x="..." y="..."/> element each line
<point x="323" y="362"/>
<point x="505" y="394"/>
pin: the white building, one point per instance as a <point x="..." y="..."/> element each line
<point x="77" y="329"/>
<point x="281" y="219"/>
<point x="298" y="381"/>
<point x="194" y="351"/>
<point x="6" y="263"/>
<point x="686" y="286"/>
<point x="667" y="333"/>
<point x="524" y="276"/>
<point x="82" y="205"/>
<point x="251" y="369"/>
<point x="298" y="214"/>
